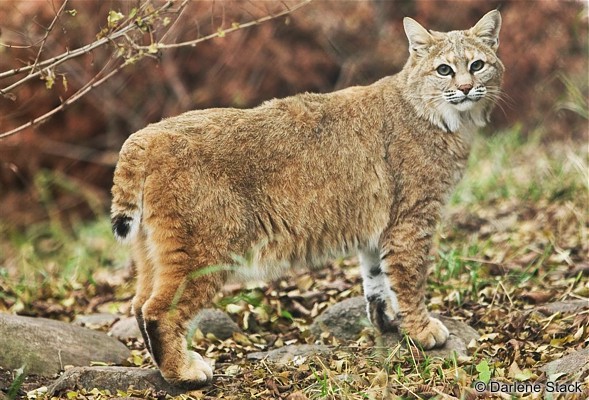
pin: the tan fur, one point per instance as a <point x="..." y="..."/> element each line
<point x="298" y="180"/>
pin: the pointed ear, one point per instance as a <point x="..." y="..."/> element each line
<point x="487" y="29"/>
<point x="419" y="38"/>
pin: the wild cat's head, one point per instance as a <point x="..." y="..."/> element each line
<point x="454" y="78"/>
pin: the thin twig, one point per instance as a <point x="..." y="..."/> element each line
<point x="19" y="46"/>
<point x="506" y="293"/>
<point x="479" y="260"/>
<point x="47" y="32"/>
<point x="54" y="62"/>
<point x="68" y="55"/>
<point x="234" y="28"/>
<point x="66" y="103"/>
<point x="122" y="32"/>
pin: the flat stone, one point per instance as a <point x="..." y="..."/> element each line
<point x="208" y="320"/>
<point x="113" y="379"/>
<point x="125" y="329"/>
<point x="93" y="321"/>
<point x="346" y="320"/>
<point x="460" y="336"/>
<point x="45" y="346"/>
<point x="287" y="354"/>
<point x="569" y="306"/>
<point x="572" y="363"/>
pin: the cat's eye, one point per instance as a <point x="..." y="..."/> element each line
<point x="445" y="70"/>
<point x="477" y="65"/>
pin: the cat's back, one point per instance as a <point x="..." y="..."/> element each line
<point x="307" y="126"/>
<point x="295" y="115"/>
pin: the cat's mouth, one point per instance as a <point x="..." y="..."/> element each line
<point x="463" y="100"/>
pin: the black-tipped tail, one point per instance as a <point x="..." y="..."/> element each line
<point x="121" y="226"/>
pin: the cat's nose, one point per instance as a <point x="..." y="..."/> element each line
<point x="465" y="88"/>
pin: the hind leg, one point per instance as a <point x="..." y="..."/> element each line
<point x="144" y="270"/>
<point x="179" y="291"/>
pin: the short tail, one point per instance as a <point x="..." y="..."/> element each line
<point x="127" y="191"/>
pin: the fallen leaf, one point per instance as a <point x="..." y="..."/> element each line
<point x="297" y="396"/>
<point x="538" y="296"/>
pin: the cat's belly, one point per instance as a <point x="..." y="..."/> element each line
<point x="276" y="259"/>
<point x="270" y="268"/>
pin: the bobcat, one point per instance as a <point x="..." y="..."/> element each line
<point x="298" y="180"/>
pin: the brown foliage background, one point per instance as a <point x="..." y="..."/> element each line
<point x="63" y="168"/>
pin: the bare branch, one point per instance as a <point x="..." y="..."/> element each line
<point x="234" y="27"/>
<point x="55" y="61"/>
<point x="20" y="46"/>
<point x="47" y="32"/>
<point x="76" y="96"/>
<point x="179" y="11"/>
<point x="138" y="23"/>
<point x="68" y="55"/>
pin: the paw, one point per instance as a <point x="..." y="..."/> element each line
<point x="197" y="373"/>
<point x="381" y="314"/>
<point x="434" y="334"/>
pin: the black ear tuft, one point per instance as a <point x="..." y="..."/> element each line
<point x="121" y="225"/>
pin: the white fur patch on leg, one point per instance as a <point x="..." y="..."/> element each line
<point x="374" y="280"/>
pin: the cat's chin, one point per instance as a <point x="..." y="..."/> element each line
<point x="465" y="105"/>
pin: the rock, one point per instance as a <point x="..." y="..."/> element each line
<point x="346" y="320"/>
<point x="125" y="329"/>
<point x="94" y="321"/>
<point x="575" y="362"/>
<point x="460" y="336"/>
<point x="208" y="321"/>
<point x="113" y="379"/>
<point x="46" y="346"/>
<point x="286" y="354"/>
<point x="562" y="307"/>
<point x="216" y="322"/>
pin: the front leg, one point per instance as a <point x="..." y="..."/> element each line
<point x="381" y="301"/>
<point x="404" y="251"/>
